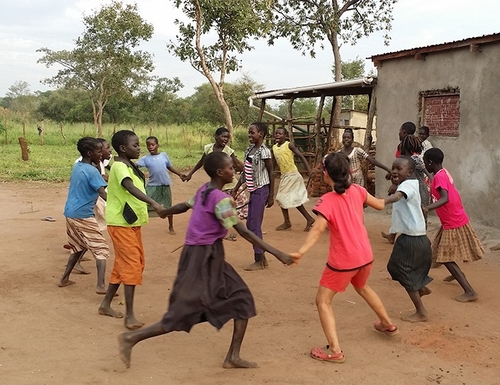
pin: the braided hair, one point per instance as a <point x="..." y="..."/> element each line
<point x="86" y="145"/>
<point x="410" y="145"/>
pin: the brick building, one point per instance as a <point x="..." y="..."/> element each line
<point x="454" y="89"/>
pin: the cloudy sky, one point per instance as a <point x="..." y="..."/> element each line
<point x="26" y="25"/>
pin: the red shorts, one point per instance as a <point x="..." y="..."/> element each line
<point x="338" y="281"/>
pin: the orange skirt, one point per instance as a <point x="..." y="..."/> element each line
<point x="129" y="255"/>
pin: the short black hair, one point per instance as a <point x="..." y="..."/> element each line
<point x="86" y="144"/>
<point x="426" y="130"/>
<point x="214" y="161"/>
<point x="261" y="127"/>
<point x="435" y="155"/>
<point x="152" y="138"/>
<point x="220" y="131"/>
<point x="411" y="163"/>
<point x="121" y="138"/>
<point x="409" y="128"/>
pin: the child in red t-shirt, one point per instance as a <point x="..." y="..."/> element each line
<point x="350" y="257"/>
<point x="456" y="239"/>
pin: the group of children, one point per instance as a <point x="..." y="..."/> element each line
<point x="208" y="289"/>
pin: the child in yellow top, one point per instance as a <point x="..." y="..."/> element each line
<point x="291" y="192"/>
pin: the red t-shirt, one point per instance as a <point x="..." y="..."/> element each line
<point x="452" y="215"/>
<point x="349" y="244"/>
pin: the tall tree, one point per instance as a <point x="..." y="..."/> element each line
<point x="310" y="23"/>
<point x="21" y="101"/>
<point x="233" y="23"/>
<point x="105" y="61"/>
<point x="354" y="69"/>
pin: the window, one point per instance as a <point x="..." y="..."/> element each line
<point x="440" y="111"/>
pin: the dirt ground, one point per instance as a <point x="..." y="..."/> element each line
<point x="53" y="335"/>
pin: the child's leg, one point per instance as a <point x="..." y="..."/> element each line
<point x="105" y="308"/>
<point x="470" y="294"/>
<point x="130" y="320"/>
<point x="233" y="359"/>
<point x="72" y="261"/>
<point x="324" y="299"/>
<point x="389" y="236"/>
<point x="256" y="207"/>
<point x="307" y="216"/>
<point x="286" y="225"/>
<point x="129" y="339"/>
<point x="421" y="314"/>
<point x="171" y="230"/>
<point x="101" y="273"/>
<point x="79" y="268"/>
<point x="374" y="301"/>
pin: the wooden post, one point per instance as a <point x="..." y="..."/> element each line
<point x="319" y="147"/>
<point x="42" y="133"/>
<point x="372" y="110"/>
<point x="289" y="119"/>
<point x="62" y="133"/>
<point x="24" y="148"/>
<point x="262" y="108"/>
<point x="24" y="128"/>
<point x="331" y="130"/>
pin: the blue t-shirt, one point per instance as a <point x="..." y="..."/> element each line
<point x="83" y="185"/>
<point x="157" y="166"/>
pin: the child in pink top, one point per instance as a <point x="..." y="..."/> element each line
<point x="350" y="257"/>
<point x="456" y="239"/>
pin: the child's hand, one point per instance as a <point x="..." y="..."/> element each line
<point x="425" y="210"/>
<point x="285" y="258"/>
<point x="388" y="176"/>
<point x="184" y="177"/>
<point x="296" y="257"/>
<point x="270" y="201"/>
<point x="392" y="189"/>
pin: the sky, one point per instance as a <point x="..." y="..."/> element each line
<point x="27" y="25"/>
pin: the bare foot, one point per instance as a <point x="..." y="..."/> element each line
<point x="67" y="246"/>
<point x="424" y="291"/>
<point x="284" y="227"/>
<point x="102" y="291"/>
<point x="415" y="318"/>
<point x="495" y="248"/>
<point x="309" y="225"/>
<point x="131" y="323"/>
<point x="80" y="269"/>
<point x="171" y="231"/>
<point x="389" y="237"/>
<point x="255" y="266"/>
<point x="449" y="278"/>
<point x="238" y="363"/>
<point x="466" y="298"/>
<point x="109" y="312"/>
<point x="66" y="283"/>
<point x="125" y="348"/>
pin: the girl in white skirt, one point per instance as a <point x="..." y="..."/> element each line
<point x="292" y="192"/>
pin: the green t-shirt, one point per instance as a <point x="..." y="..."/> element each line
<point x="118" y="195"/>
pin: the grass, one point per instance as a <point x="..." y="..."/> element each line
<point x="54" y="160"/>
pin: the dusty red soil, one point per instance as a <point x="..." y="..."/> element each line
<point x="53" y="335"/>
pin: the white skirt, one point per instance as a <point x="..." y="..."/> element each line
<point x="292" y="192"/>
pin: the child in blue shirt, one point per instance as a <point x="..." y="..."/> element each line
<point x="158" y="187"/>
<point x="85" y="186"/>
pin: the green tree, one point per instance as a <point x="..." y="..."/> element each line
<point x="22" y="102"/>
<point x="105" y="61"/>
<point x="308" y="24"/>
<point x="354" y="69"/>
<point x="65" y="105"/>
<point x="233" y="23"/>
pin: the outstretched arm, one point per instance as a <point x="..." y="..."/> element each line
<point x="376" y="203"/>
<point x="312" y="237"/>
<point x="394" y="197"/>
<point x="176" y="172"/>
<point x="102" y="193"/>
<point x="198" y="165"/>
<point x="129" y="185"/>
<point x="256" y="241"/>
<point x="301" y="156"/>
<point x="179" y="208"/>
<point x="270" y="170"/>
<point x="238" y="164"/>
<point x="375" y="162"/>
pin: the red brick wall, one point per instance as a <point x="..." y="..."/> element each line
<point x="441" y="113"/>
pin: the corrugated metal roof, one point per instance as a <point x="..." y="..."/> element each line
<point x="485" y="39"/>
<point x="348" y="87"/>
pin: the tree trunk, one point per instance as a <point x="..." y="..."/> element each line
<point x="372" y="110"/>
<point x="62" y="133"/>
<point x="24" y="128"/>
<point x="289" y="119"/>
<point x="334" y="129"/>
<point x="24" y="148"/>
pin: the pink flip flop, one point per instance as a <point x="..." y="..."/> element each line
<point x="323" y="354"/>
<point x="390" y="330"/>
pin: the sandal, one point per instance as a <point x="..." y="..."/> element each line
<point x="323" y="354"/>
<point x="231" y="237"/>
<point x="390" y="330"/>
<point x="48" y="219"/>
